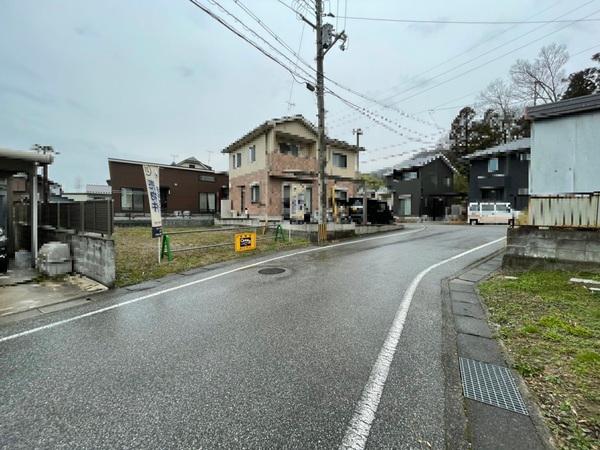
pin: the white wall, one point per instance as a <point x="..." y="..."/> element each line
<point x="565" y="155"/>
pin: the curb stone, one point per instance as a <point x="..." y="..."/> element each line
<point x="488" y="427"/>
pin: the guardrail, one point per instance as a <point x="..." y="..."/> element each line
<point x="571" y="211"/>
<point x="262" y="234"/>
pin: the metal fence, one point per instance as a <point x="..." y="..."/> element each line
<point x="573" y="211"/>
<point x="90" y="216"/>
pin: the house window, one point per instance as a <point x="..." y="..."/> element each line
<point x="208" y="202"/>
<point x="341" y="195"/>
<point x="288" y="149"/>
<point x="409" y="176"/>
<point x="405" y="205"/>
<point x="493" y="165"/>
<point x="434" y="180"/>
<point x="340" y="160"/>
<point x="524" y="156"/>
<point x="237" y="160"/>
<point x="132" y="199"/>
<point x="448" y="182"/>
<point x="255" y="193"/>
<point x="209" y="178"/>
<point x="252" y="153"/>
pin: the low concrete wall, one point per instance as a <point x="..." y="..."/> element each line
<point x="529" y="247"/>
<point x="368" y="229"/>
<point x="169" y="222"/>
<point x="93" y="255"/>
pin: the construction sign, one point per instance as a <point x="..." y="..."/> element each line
<point x="245" y="242"/>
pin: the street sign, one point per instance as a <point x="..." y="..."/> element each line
<point x="245" y="242"/>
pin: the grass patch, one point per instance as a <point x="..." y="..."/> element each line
<point x="551" y="328"/>
<point x="137" y="252"/>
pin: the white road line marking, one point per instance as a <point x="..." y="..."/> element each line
<point x="359" y="427"/>
<point x="191" y="283"/>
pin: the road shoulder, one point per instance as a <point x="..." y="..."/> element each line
<point x="471" y="341"/>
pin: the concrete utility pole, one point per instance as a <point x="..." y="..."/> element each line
<point x="359" y="132"/>
<point x="326" y="39"/>
<point x="321" y="125"/>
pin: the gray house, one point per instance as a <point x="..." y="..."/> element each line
<point x="501" y="174"/>
<point x="422" y="186"/>
<point x="565" y="146"/>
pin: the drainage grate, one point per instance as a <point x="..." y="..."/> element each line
<point x="271" y="270"/>
<point x="491" y="384"/>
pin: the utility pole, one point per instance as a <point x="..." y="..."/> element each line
<point x="359" y="132"/>
<point x="321" y="124"/>
<point x="326" y="39"/>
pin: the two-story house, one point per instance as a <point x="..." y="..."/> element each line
<point x="501" y="174"/>
<point x="422" y="186"/>
<point x="189" y="185"/>
<point x="273" y="169"/>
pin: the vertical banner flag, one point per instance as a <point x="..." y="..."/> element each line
<point x="153" y="187"/>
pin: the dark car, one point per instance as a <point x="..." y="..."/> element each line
<point x="378" y="212"/>
<point x="3" y="251"/>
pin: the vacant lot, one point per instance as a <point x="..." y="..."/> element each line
<point x="137" y="252"/>
<point x="552" y="329"/>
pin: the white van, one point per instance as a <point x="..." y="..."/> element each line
<point x="498" y="213"/>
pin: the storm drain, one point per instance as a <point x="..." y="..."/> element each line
<point x="271" y="270"/>
<point x="491" y="384"/>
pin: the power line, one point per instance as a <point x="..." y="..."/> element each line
<point x="465" y="22"/>
<point x="483" y="54"/>
<point x="291" y="71"/>
<point x="481" y="42"/>
<point x="486" y="63"/>
<point x="249" y="41"/>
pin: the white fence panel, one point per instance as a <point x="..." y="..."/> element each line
<point x="574" y="211"/>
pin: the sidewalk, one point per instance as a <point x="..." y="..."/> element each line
<point x="498" y="411"/>
<point x="24" y="294"/>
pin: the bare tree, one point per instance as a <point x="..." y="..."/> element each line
<point x="499" y="96"/>
<point x="500" y="105"/>
<point x="542" y="79"/>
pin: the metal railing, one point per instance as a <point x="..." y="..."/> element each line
<point x="573" y="211"/>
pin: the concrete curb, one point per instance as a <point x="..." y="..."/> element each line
<point x="487" y="427"/>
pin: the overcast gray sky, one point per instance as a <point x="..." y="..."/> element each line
<point x="151" y="79"/>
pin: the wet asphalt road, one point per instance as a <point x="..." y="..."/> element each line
<point x="244" y="360"/>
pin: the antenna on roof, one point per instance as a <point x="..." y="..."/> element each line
<point x="174" y="156"/>
<point x="209" y="154"/>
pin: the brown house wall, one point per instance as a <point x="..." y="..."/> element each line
<point x="184" y="186"/>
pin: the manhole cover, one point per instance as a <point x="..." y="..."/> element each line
<point x="491" y="384"/>
<point x="271" y="270"/>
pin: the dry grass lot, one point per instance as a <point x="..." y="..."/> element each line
<point x="137" y="252"/>
<point x="551" y="328"/>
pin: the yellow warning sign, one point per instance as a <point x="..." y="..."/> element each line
<point x="245" y="242"/>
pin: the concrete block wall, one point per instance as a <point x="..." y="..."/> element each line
<point x="531" y="245"/>
<point x="94" y="257"/>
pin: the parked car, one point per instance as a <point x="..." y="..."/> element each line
<point x="378" y="212"/>
<point x="3" y="251"/>
<point x="496" y="213"/>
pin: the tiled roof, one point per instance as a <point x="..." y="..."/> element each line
<point x="270" y="124"/>
<point x="513" y="146"/>
<point x="421" y="160"/>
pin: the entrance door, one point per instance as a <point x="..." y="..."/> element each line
<point x="286" y="202"/>
<point x="164" y="193"/>
<point x="242" y="199"/>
